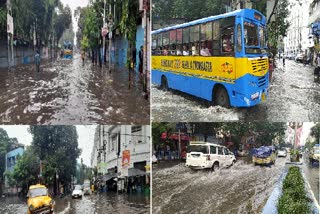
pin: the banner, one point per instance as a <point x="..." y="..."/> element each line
<point x="9" y="24"/>
<point x="126" y="159"/>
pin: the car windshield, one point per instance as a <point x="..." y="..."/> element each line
<point x="38" y="192"/>
<point x="316" y="150"/>
<point x="198" y="148"/>
<point x="78" y="187"/>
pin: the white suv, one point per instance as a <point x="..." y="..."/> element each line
<point x="203" y="155"/>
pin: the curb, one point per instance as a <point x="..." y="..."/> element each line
<point x="314" y="204"/>
<point x="271" y="205"/>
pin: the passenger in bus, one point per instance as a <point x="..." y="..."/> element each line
<point x="226" y="43"/>
<point x="165" y="51"/>
<point x="185" y="51"/>
<point x="194" y="49"/>
<point x="204" y="50"/>
<point x="178" y="51"/>
<point x="172" y="51"/>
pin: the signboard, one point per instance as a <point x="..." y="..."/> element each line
<point x="102" y="168"/>
<point x="126" y="159"/>
<point x="9" y="24"/>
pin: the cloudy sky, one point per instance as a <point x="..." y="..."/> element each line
<point x="73" y="4"/>
<point x="85" y="140"/>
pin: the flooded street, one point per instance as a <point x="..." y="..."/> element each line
<point x="110" y="202"/>
<point x="242" y="188"/>
<point x="293" y="96"/>
<point x="66" y="92"/>
<point x="313" y="177"/>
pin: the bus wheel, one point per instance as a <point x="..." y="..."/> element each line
<point x="164" y="83"/>
<point x="221" y="97"/>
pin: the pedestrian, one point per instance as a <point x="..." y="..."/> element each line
<point x="61" y="191"/>
<point x="284" y="61"/>
<point x="37" y="60"/>
<point x="82" y="56"/>
<point x="141" y="60"/>
<point x="134" y="58"/>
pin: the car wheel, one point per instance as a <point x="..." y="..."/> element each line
<point x="221" y="97"/>
<point x="164" y="83"/>
<point x="215" y="166"/>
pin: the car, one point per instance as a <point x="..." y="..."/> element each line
<point x="299" y="57"/>
<point x="86" y="188"/>
<point x="264" y="155"/>
<point x="39" y="200"/>
<point x="204" y="155"/>
<point x="77" y="192"/>
<point x="282" y="153"/>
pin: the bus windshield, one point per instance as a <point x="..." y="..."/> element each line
<point x="254" y="38"/>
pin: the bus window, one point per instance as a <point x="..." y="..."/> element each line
<point x="179" y="36"/>
<point x="227" y="40"/>
<point x="194" y="33"/>
<point x="216" y="38"/>
<point x="173" y="41"/>
<point x="250" y="34"/>
<point x="239" y="36"/>
<point x="154" y="43"/>
<point x="165" y="43"/>
<point x="206" y="39"/>
<point x="262" y="36"/>
<point x="185" y="35"/>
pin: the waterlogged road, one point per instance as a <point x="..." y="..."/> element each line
<point x="66" y="92"/>
<point x="98" y="204"/>
<point x="294" y="95"/>
<point x="242" y="188"/>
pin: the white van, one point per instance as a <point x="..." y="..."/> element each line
<point x="201" y="155"/>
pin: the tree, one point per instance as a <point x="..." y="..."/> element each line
<point x="277" y="24"/>
<point x="315" y="132"/>
<point x="158" y="129"/>
<point x="57" y="148"/>
<point x="26" y="170"/>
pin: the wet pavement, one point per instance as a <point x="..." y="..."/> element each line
<point x="312" y="173"/>
<point x="94" y="204"/>
<point x="66" y="92"/>
<point x="294" y="95"/>
<point x="242" y="188"/>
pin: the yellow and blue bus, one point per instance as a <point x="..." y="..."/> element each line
<point x="222" y="59"/>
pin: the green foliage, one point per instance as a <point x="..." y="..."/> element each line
<point x="294" y="199"/>
<point x="279" y="25"/>
<point x="158" y="129"/>
<point x="315" y="132"/>
<point x="129" y="18"/>
<point x="188" y="10"/>
<point x="92" y="25"/>
<point x="57" y="147"/>
<point x="5" y="146"/>
<point x="26" y="170"/>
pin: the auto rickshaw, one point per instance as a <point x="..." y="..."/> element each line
<point x="264" y="155"/>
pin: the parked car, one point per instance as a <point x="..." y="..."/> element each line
<point x="264" y="155"/>
<point x="299" y="57"/>
<point x="314" y="156"/>
<point x="86" y="188"/>
<point x="77" y="192"/>
<point x="282" y="153"/>
<point x="291" y="56"/>
<point x="38" y="200"/>
<point x="202" y="155"/>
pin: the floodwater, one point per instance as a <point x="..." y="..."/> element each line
<point x="94" y="204"/>
<point x="294" y="95"/>
<point x="242" y="188"/>
<point x="67" y="92"/>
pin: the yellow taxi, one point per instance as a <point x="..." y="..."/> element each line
<point x="39" y="201"/>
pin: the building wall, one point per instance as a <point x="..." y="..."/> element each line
<point x="298" y="31"/>
<point x="119" y="138"/>
<point x="11" y="158"/>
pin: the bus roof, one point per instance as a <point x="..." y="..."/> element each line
<point x="243" y="12"/>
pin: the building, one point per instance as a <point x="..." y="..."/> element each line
<point x="12" y="158"/>
<point x="314" y="28"/>
<point x="121" y="152"/>
<point x="297" y="39"/>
